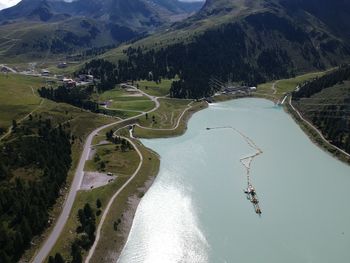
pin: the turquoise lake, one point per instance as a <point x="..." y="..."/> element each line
<point x="196" y="210"/>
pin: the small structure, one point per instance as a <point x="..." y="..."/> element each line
<point x="62" y="65"/>
<point x="104" y="104"/>
<point x="253" y="198"/>
<point x="45" y="73"/>
<point x="86" y="78"/>
<point x="90" y="78"/>
<point x="69" y="83"/>
<point x="60" y="77"/>
<point x="252" y="88"/>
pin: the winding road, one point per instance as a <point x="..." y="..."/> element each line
<point x="105" y="213"/>
<point x="189" y="106"/>
<point x="78" y="177"/>
<point x="99" y="228"/>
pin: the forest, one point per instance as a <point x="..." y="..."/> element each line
<point x="210" y="55"/>
<point x="26" y="197"/>
<point x="325" y="101"/>
<point x="312" y="87"/>
<point x="79" y="97"/>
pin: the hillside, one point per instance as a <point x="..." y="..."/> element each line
<point x="38" y="28"/>
<point x="325" y="102"/>
<point x="242" y="40"/>
<point x="37" y="158"/>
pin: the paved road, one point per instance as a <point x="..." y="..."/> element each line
<point x="103" y="218"/>
<point x="315" y="128"/>
<point x="78" y="177"/>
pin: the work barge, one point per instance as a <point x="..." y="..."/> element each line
<point x="253" y="198"/>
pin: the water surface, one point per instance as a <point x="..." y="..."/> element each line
<point x="196" y="210"/>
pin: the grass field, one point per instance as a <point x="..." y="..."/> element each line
<point x="285" y="85"/>
<point x="18" y="97"/>
<point x="116" y="161"/>
<point x="132" y="105"/>
<point x="125" y="104"/>
<point x="169" y="131"/>
<point x="166" y="116"/>
<point x="155" y="89"/>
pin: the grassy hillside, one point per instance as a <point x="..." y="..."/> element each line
<point x="41" y="41"/>
<point x="38" y="30"/>
<point x="40" y="152"/>
<point x="325" y="102"/>
<point x="17" y="97"/>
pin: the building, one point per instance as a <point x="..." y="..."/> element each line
<point x="86" y="78"/>
<point x="69" y="83"/>
<point x="62" y="65"/>
<point x="45" y="73"/>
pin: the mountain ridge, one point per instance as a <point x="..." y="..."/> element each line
<point x="241" y="40"/>
<point x="113" y="20"/>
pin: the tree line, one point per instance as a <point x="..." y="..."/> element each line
<point x="223" y="53"/>
<point x="44" y="154"/>
<point x="85" y="234"/>
<point x="124" y="144"/>
<point x="77" y="96"/>
<point x="316" y="85"/>
<point x="332" y="118"/>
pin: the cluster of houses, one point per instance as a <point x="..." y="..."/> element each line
<point x="81" y="80"/>
<point x="238" y="90"/>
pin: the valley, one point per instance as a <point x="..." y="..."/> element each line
<point x="128" y="130"/>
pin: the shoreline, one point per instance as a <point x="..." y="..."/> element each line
<point x="128" y="219"/>
<point x="132" y="201"/>
<point x="310" y="132"/>
<point x="127" y="205"/>
<point x="315" y="137"/>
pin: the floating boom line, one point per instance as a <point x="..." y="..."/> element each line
<point x="247" y="163"/>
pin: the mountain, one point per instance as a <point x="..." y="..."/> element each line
<point x="68" y="27"/>
<point x="108" y="10"/>
<point x="247" y="41"/>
